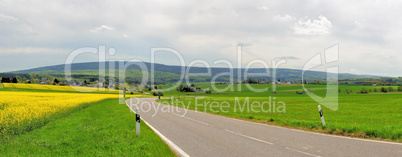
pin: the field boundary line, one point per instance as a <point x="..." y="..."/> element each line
<point x="175" y="148"/>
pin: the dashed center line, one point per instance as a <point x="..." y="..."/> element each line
<point x="191" y="119"/>
<point x="302" y="152"/>
<point x="256" y="139"/>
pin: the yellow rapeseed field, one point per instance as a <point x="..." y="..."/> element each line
<point x="55" y="88"/>
<point x="24" y="111"/>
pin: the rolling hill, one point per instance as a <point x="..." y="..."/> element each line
<point x="171" y="73"/>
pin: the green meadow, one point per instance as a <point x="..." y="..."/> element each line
<point x="374" y="115"/>
<point x="104" y="128"/>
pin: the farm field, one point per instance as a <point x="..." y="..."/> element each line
<point x="53" y="88"/>
<point x="24" y="111"/>
<point x="102" y="128"/>
<point x="54" y="121"/>
<point x="374" y="115"/>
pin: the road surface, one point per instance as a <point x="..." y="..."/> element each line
<point x="203" y="134"/>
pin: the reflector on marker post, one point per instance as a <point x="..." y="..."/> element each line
<point x="137" y="121"/>
<point x="321" y="115"/>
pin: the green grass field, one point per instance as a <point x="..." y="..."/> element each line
<point x="100" y="129"/>
<point x="103" y="128"/>
<point x="373" y="115"/>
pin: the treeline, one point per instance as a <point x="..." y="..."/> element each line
<point x="373" y="90"/>
<point x="372" y="81"/>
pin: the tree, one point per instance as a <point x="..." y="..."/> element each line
<point x="157" y="93"/>
<point x="390" y="89"/>
<point x="5" y="80"/>
<point x="180" y="88"/>
<point x="14" y="80"/>
<point x="56" y="81"/>
<point x="383" y="90"/>
<point x="363" y="91"/>
<point x="400" y="89"/>
<point x="116" y="86"/>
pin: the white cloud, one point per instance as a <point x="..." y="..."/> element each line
<point x="207" y="30"/>
<point x="7" y="18"/>
<point x="284" y="18"/>
<point x="101" y="28"/>
<point x="32" y="50"/>
<point x="262" y="8"/>
<point x="306" y="26"/>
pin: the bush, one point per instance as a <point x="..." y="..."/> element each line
<point x="390" y="89"/>
<point x="157" y="93"/>
<point x="63" y="84"/>
<point x="400" y="89"/>
<point x="384" y="90"/>
<point x="208" y="92"/>
<point x="116" y="86"/>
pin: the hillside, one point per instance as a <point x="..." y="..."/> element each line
<point x="169" y="73"/>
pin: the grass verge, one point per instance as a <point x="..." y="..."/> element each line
<point x="104" y="128"/>
<point x="373" y="116"/>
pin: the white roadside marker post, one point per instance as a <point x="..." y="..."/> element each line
<point x="137" y="121"/>
<point x="171" y="100"/>
<point x="321" y="115"/>
<point x="124" y="94"/>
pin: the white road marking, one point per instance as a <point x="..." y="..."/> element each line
<point x="175" y="148"/>
<point x="267" y="125"/>
<point x="256" y="139"/>
<point x="301" y="152"/>
<point x="191" y="119"/>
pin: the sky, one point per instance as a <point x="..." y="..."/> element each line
<point x="41" y="33"/>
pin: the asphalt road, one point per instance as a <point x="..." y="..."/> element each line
<point x="203" y="134"/>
